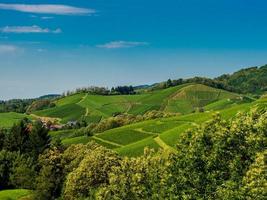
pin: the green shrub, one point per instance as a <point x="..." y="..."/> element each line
<point x="91" y="173"/>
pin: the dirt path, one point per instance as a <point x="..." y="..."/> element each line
<point x="163" y="145"/>
<point x="143" y="131"/>
<point x="83" y="98"/>
<point x="87" y="112"/>
<point x="107" y="141"/>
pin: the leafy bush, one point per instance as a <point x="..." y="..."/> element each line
<point x="217" y="154"/>
<point x="145" y="177"/>
<point x="91" y="173"/>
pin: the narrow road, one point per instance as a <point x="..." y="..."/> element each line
<point x="83" y="98"/>
<point x="147" y="132"/>
<point x="163" y="145"/>
<point x="107" y="141"/>
<point x="87" y="112"/>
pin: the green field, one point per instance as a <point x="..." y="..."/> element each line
<point x="137" y="148"/>
<point x="123" y="136"/>
<point x="86" y="139"/>
<point x="14" y="194"/>
<point x="68" y="112"/>
<point x="8" y="119"/>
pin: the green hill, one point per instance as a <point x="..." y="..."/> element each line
<point x="131" y="140"/>
<point x="180" y="99"/>
<point x="195" y="96"/>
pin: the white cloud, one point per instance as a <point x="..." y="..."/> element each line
<point x="41" y="17"/>
<point x="47" y="17"/>
<point x="56" y="9"/>
<point x="28" y="29"/>
<point x="121" y="44"/>
<point x="4" y="48"/>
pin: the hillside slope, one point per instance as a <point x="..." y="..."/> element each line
<point x="180" y="99"/>
<point x="130" y="140"/>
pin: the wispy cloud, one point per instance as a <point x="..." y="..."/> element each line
<point x="47" y="17"/>
<point x="41" y="17"/>
<point x="56" y="9"/>
<point x="28" y="29"/>
<point x="4" y="48"/>
<point x="121" y="44"/>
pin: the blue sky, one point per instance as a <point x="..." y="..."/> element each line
<point x="50" y="46"/>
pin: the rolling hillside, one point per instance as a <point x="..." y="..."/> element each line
<point x="131" y="140"/>
<point x="182" y="99"/>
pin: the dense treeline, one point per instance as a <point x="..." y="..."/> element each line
<point x="199" y="80"/>
<point x="246" y="81"/>
<point x="250" y="80"/>
<point x="23" y="105"/>
<point x="15" y="105"/>
<point x="20" y="148"/>
<point x="119" y="90"/>
<point x="217" y="160"/>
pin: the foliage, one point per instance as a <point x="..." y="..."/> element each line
<point x="145" y="177"/>
<point x="50" y="177"/>
<point x="18" y="138"/>
<point x="91" y="173"/>
<point x="6" y="161"/>
<point x="27" y="138"/>
<point x="251" y="80"/>
<point x="40" y="105"/>
<point x="90" y="90"/>
<point x="39" y="139"/>
<point x="16" y="170"/>
<point x="20" y="148"/>
<point x="255" y="181"/>
<point x="124" y="90"/>
<point x="15" y="105"/>
<point x="22" y="173"/>
<point x="218" y="153"/>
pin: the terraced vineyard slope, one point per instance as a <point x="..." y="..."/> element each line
<point x="131" y="140"/>
<point x="182" y="99"/>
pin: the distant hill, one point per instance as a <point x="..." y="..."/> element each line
<point x="245" y="81"/>
<point x="49" y="96"/>
<point x="139" y="87"/>
<point x="250" y="80"/>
